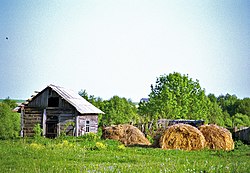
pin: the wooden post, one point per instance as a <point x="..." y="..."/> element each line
<point x="22" y="124"/>
<point x="76" y="124"/>
<point x="59" y="125"/>
<point x="44" y="122"/>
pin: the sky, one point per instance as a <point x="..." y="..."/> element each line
<point x="120" y="47"/>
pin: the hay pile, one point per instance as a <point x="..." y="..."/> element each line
<point x="182" y="136"/>
<point x="127" y="134"/>
<point x="217" y="137"/>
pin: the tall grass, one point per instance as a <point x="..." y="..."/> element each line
<point x="83" y="155"/>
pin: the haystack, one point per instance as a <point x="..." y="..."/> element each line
<point x="127" y="134"/>
<point x="217" y="137"/>
<point x="182" y="136"/>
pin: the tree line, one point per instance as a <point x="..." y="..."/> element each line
<point x="173" y="96"/>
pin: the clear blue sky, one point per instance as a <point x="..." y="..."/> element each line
<point x="115" y="47"/>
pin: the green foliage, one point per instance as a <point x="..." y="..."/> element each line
<point x="90" y="137"/>
<point x="9" y="122"/>
<point x="177" y="96"/>
<point x="241" y="120"/>
<point x="228" y="103"/>
<point x="38" y="131"/>
<point x="174" y="96"/>
<point x="243" y="106"/>
<point x="119" y="111"/>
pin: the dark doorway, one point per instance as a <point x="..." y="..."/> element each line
<point x="51" y="126"/>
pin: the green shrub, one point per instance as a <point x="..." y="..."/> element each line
<point x="38" y="131"/>
<point x="90" y="137"/>
<point x="9" y="122"/>
<point x="69" y="123"/>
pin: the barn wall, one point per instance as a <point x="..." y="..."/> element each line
<point x="41" y="100"/>
<point x="93" y="126"/>
<point x="31" y="117"/>
<point x="67" y="124"/>
<point x="64" y="117"/>
<point x="243" y="134"/>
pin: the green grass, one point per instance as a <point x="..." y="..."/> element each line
<point x="83" y="155"/>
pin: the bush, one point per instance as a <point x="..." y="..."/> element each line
<point x="90" y="137"/>
<point x="9" y="122"/>
<point x="38" y="131"/>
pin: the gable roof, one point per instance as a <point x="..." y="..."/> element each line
<point x="73" y="98"/>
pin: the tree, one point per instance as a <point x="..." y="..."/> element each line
<point x="9" y="122"/>
<point x="177" y="96"/>
<point x="228" y="103"/>
<point x="212" y="98"/>
<point x="241" y="120"/>
<point x="119" y="111"/>
<point x="243" y="106"/>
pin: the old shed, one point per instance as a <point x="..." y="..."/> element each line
<point x="58" y="111"/>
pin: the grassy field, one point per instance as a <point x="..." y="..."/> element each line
<point x="94" y="155"/>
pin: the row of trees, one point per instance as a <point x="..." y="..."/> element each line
<point x="175" y="96"/>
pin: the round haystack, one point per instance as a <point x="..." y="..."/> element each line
<point x="127" y="134"/>
<point x="182" y="136"/>
<point x="217" y="137"/>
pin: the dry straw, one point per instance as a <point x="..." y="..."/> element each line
<point x="182" y="136"/>
<point x="127" y="134"/>
<point x="217" y="137"/>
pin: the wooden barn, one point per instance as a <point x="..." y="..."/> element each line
<point x="58" y="111"/>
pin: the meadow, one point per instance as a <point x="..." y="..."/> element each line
<point x="84" y="154"/>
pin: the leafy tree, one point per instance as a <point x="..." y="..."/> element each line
<point x="84" y="94"/>
<point x="212" y="98"/>
<point x="227" y="119"/>
<point x="119" y="111"/>
<point x="177" y="96"/>
<point x="243" y="106"/>
<point x="9" y="122"/>
<point x="228" y="103"/>
<point x="241" y="120"/>
<point x="215" y="115"/>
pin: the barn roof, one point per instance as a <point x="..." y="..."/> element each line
<point x="81" y="105"/>
<point x="73" y="98"/>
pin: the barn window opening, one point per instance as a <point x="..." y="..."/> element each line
<point x="87" y="126"/>
<point x="50" y="92"/>
<point x="53" y="102"/>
